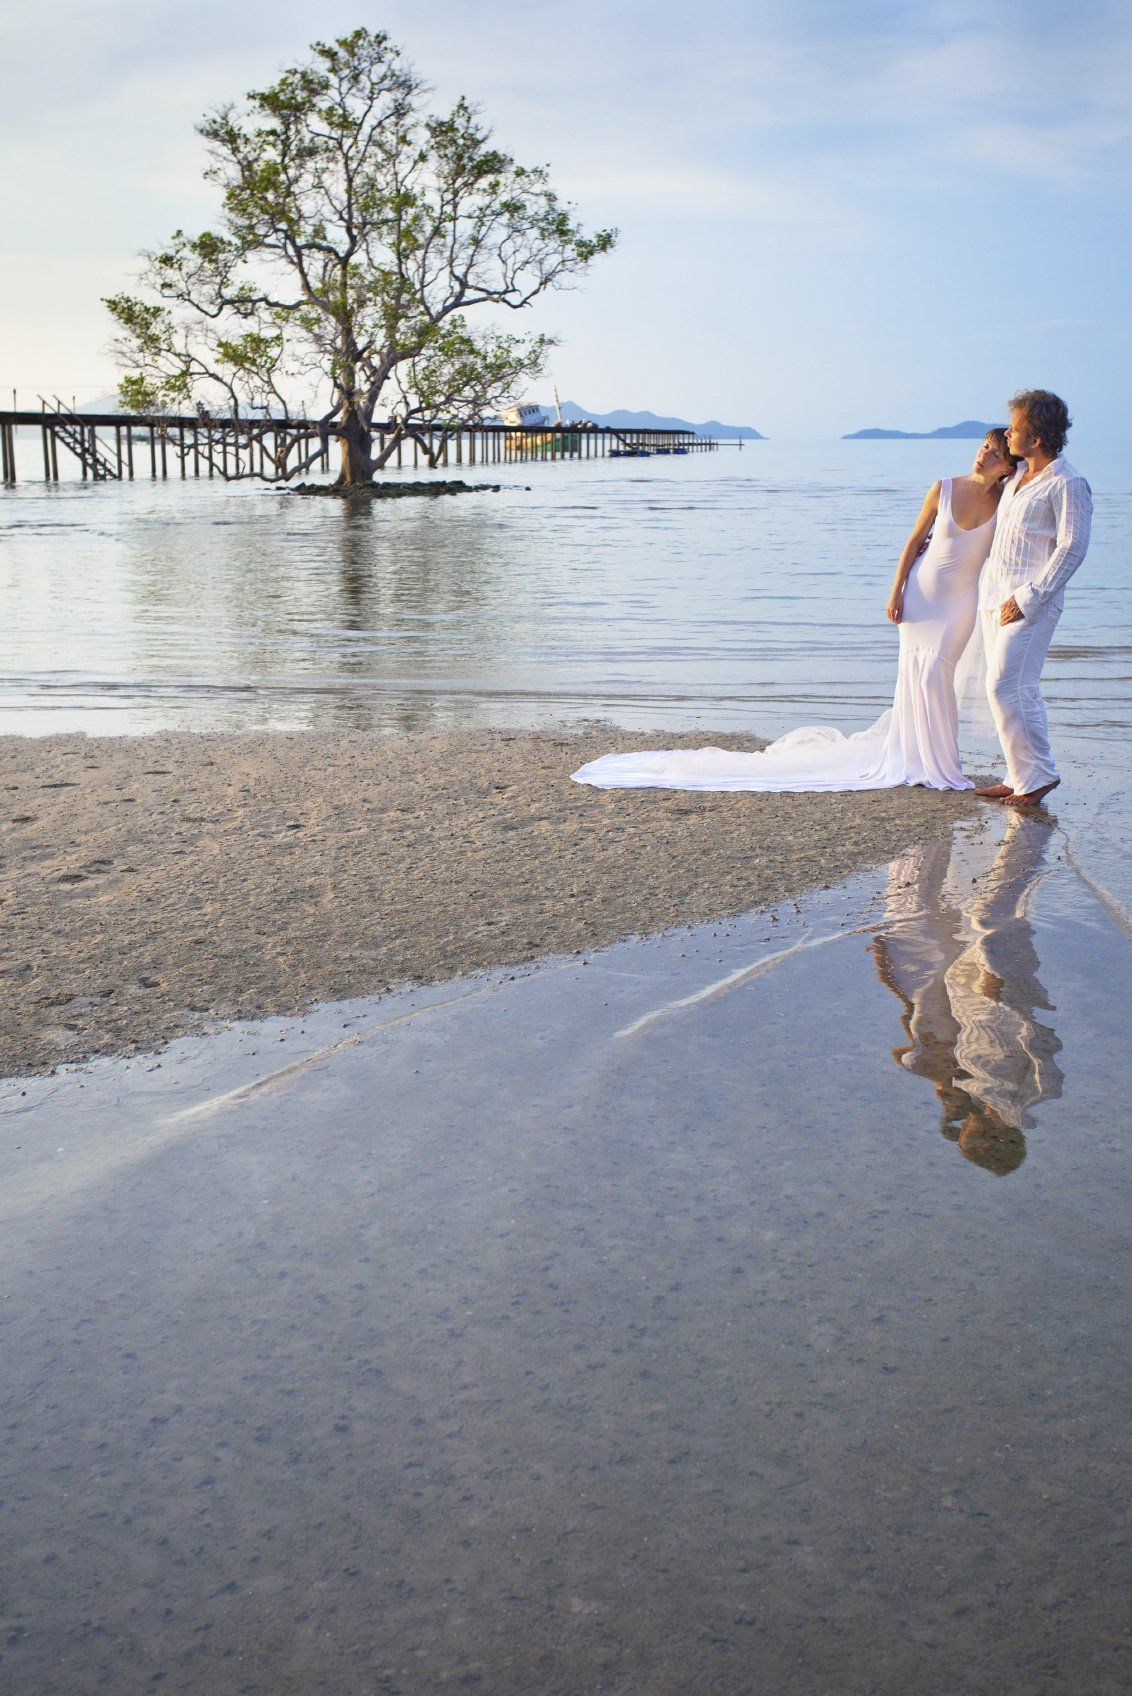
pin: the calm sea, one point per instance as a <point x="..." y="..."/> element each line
<point x="738" y="589"/>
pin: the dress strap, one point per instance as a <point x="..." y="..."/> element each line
<point x="945" y="499"/>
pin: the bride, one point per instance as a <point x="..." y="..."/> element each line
<point x="934" y="601"/>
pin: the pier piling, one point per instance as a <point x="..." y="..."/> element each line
<point x="102" y="444"/>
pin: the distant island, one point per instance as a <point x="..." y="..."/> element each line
<point x="971" y="430"/>
<point x="622" y="420"/>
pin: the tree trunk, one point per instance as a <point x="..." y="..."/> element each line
<point x="435" y="453"/>
<point x="357" y="463"/>
<point x="389" y="448"/>
<point x="406" y="433"/>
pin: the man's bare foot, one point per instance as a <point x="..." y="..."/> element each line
<point x="995" y="791"/>
<point x="1033" y="799"/>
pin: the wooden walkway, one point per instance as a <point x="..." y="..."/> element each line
<point x="112" y="447"/>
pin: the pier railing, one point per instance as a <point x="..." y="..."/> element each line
<point x="115" y="446"/>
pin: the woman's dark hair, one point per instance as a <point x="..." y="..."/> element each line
<point x="997" y="435"/>
<point x="1047" y="415"/>
<point x="991" y="1142"/>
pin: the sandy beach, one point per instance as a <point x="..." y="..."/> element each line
<point x="155" y="885"/>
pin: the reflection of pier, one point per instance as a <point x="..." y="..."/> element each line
<point x="113" y="446"/>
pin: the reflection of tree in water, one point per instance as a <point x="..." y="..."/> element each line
<point x="428" y="584"/>
<point x="404" y="564"/>
<point x="341" y="613"/>
<point x="964" y="964"/>
<point x="394" y="596"/>
<point x="356" y="545"/>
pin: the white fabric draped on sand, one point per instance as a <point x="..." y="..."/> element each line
<point x="815" y="757"/>
<point x="915" y="741"/>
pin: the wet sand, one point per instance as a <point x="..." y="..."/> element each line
<point x="155" y="885"/>
<point x="576" y="1330"/>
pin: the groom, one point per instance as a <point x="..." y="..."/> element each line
<point x="1040" y="539"/>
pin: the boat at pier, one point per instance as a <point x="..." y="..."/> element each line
<point x="525" y="417"/>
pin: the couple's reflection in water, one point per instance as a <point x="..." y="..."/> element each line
<point x="957" y="948"/>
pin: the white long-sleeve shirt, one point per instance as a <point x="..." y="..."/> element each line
<point x="1040" y="539"/>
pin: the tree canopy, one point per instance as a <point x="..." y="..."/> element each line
<point x="357" y="233"/>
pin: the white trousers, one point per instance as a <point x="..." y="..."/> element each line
<point x="1015" y="656"/>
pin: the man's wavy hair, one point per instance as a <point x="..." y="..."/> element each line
<point x="1047" y="415"/>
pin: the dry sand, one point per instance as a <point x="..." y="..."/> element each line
<point x="154" y="885"/>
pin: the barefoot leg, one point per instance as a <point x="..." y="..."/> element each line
<point x="995" y="791"/>
<point x="1033" y="799"/>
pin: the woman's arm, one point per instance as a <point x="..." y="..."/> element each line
<point x="913" y="548"/>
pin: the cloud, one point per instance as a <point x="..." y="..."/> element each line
<point x="811" y="152"/>
<point x="1058" y="153"/>
<point x="703" y="192"/>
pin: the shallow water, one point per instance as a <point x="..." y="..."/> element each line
<point x="739" y="588"/>
<point x="742" y="589"/>
<point x="736" y="1310"/>
<point x="740" y="1310"/>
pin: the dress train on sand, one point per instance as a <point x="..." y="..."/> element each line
<point x="915" y="741"/>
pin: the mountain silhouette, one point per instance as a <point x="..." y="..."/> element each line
<point x="971" y="429"/>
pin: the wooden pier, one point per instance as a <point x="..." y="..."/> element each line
<point x="116" y="447"/>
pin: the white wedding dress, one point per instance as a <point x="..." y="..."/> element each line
<point x="916" y="741"/>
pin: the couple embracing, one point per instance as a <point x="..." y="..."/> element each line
<point x="995" y="547"/>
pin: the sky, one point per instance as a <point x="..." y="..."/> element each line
<point x="834" y="213"/>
